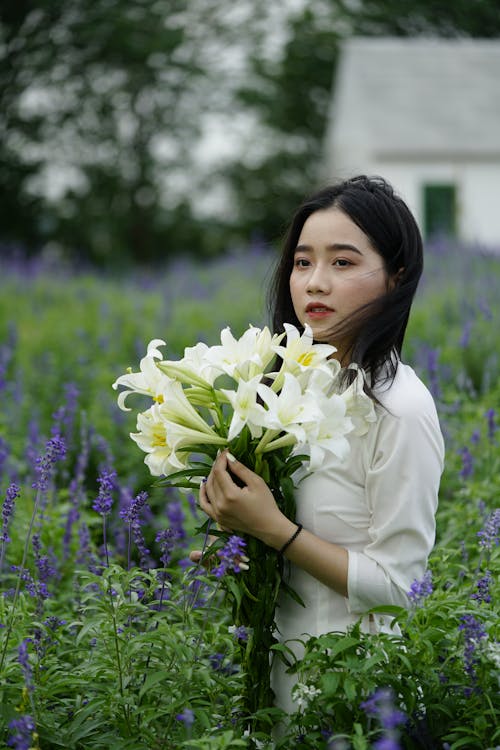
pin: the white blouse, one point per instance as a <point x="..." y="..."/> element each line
<point x="379" y="504"/>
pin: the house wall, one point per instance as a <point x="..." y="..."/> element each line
<point x="478" y="192"/>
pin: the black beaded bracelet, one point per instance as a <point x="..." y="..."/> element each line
<point x="292" y="538"/>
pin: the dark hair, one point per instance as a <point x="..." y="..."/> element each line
<point x="377" y="329"/>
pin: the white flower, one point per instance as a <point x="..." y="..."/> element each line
<point x="246" y="410"/>
<point x="182" y="436"/>
<point x="177" y="408"/>
<point x="149" y="381"/>
<point x="492" y="653"/>
<point x="301" y="355"/>
<point x="359" y="406"/>
<point x="328" y="434"/>
<point x="193" y="368"/>
<point x="152" y="437"/>
<point x="245" y="357"/>
<point x="302" y="694"/>
<point x="290" y="409"/>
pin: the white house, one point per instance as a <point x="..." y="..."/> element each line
<point x="425" y="114"/>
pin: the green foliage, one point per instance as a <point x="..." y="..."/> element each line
<point x="117" y="652"/>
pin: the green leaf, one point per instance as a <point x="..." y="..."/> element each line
<point x="153" y="679"/>
<point x="330" y="683"/>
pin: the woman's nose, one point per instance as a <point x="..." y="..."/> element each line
<point x="318" y="281"/>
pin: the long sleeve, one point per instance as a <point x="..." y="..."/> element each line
<point x="401" y="489"/>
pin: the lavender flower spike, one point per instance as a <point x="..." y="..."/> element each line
<point x="489" y="535"/>
<point x="55" y="450"/>
<point x="23" y="732"/>
<point x="23" y="659"/>
<point x="231" y="556"/>
<point x="419" y="590"/>
<point x="187" y="717"/>
<point x="473" y="631"/>
<point x="12" y="493"/>
<point x="104" y="500"/>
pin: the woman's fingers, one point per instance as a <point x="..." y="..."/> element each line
<point x="205" y="502"/>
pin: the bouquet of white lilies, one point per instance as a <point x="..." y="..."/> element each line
<point x="297" y="406"/>
<point x="278" y="403"/>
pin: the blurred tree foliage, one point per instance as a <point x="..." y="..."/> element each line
<point x="94" y="93"/>
<point x="102" y="103"/>
<point x="292" y="95"/>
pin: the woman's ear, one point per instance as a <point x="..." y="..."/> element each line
<point x="394" y="279"/>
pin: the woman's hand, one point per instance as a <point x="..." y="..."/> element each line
<point x="250" y="508"/>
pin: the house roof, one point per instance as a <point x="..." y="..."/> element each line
<point x="417" y="97"/>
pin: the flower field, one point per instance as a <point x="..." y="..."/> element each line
<point x="111" y="638"/>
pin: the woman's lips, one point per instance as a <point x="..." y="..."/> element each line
<point x="316" y="312"/>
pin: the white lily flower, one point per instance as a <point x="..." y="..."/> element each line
<point x="181" y="436"/>
<point x="149" y="381"/>
<point x="246" y="410"/>
<point x="245" y="357"/>
<point x="301" y="355"/>
<point x="178" y="409"/>
<point x="193" y="368"/>
<point x="153" y="438"/>
<point x="359" y="406"/>
<point x="290" y="409"/>
<point x="328" y="434"/>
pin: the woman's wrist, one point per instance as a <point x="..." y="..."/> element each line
<point x="279" y="534"/>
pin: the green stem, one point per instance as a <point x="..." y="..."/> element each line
<point x="265" y="440"/>
<point x="19" y="578"/>
<point x="118" y="657"/>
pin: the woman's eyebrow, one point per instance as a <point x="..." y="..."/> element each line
<point x="334" y="247"/>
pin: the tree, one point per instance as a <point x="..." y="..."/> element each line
<point x="100" y="103"/>
<point x="291" y="94"/>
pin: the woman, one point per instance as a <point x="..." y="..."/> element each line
<point x="364" y="528"/>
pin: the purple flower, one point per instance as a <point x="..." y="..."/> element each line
<point x="473" y="631"/>
<point x="492" y="427"/>
<point x="475" y="437"/>
<point x="132" y="513"/>
<point x="167" y="540"/>
<point x="193" y="507"/>
<point x="12" y="493"/>
<point x="219" y="664"/>
<point x="465" y="337"/>
<point x="230" y="556"/>
<point x="380" y="705"/>
<point x="176" y="517"/>
<point x="419" y="590"/>
<point x="65" y="415"/>
<point x="45" y="566"/>
<point x="483" y="588"/>
<point x="23" y="659"/>
<point x="4" y="454"/>
<point x="55" y="450"/>
<point x="34" y="588"/>
<point x="239" y="632"/>
<point x="386" y="743"/>
<point x="433" y="371"/>
<point x="187" y="717"/>
<point x="489" y="536"/>
<point x="132" y="516"/>
<point x="22" y="730"/>
<point x="104" y="501"/>
<point x="467" y="463"/>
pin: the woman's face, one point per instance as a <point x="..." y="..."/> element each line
<point x="336" y="270"/>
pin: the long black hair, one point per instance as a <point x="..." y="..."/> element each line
<point x="376" y="329"/>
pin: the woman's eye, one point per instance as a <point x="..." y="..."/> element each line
<point x="342" y="263"/>
<point x="301" y="262"/>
